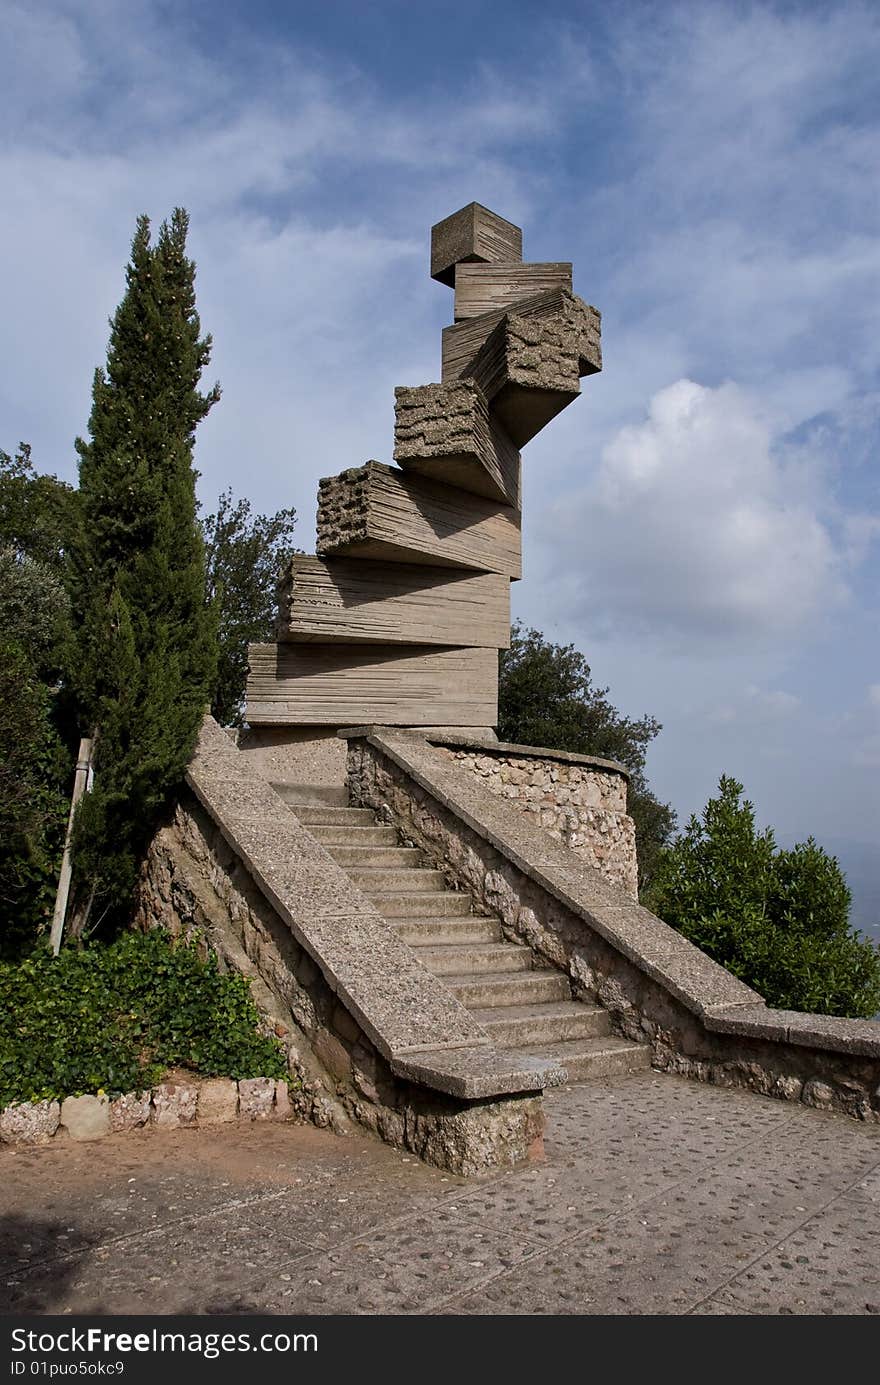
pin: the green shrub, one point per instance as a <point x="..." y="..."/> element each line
<point x="114" y="1017"/>
<point x="777" y="919"/>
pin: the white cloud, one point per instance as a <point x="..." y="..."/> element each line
<point x="694" y="528"/>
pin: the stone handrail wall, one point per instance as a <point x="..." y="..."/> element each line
<point x="579" y="800"/>
<point x="699" y="1019"/>
<point x="393" y="1047"/>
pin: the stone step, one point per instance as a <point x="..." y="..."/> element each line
<point x="509" y="988"/>
<point x="401" y="856"/>
<point x="514" y="1026"/>
<point x="335" y="817"/>
<point x="448" y="930"/>
<point x="458" y="959"/>
<point x="590" y="1058"/>
<point x="407" y="904"/>
<point x="354" y="836"/>
<point x="371" y="880"/>
<point x="313" y="795"/>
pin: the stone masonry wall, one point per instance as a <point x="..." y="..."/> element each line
<point x="581" y="806"/>
<point x="753" y="1051"/>
<point x="194" y="882"/>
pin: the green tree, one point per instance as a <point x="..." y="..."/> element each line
<point x="546" y="697"/>
<point x="245" y="557"/>
<point x="37" y="518"/>
<point x="38" y="514"/>
<point x="146" y="640"/>
<point x="777" y="919"/>
<point x="34" y="767"/>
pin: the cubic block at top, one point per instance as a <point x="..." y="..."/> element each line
<point x="472" y="234"/>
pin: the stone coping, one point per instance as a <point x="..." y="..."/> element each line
<point x="724" y="1004"/>
<point x="465" y="1073"/>
<point x="651" y="945"/>
<point x="190" y="1101"/>
<point x="400" y="1005"/>
<point x="496" y="748"/>
<point x="859" y="1038"/>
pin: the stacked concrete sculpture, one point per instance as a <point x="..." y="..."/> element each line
<point x="399" y="616"/>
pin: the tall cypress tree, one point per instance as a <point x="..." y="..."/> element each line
<point x="146" y="640"/>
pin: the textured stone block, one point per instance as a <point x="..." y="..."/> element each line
<point x="375" y="511"/>
<point x="86" y="1117"/>
<point x="472" y="233"/>
<point x="394" y="685"/>
<point x="129" y="1111"/>
<point x="564" y="313"/>
<point x="218" y="1101"/>
<point x="338" y="599"/>
<point x="174" y="1104"/>
<point x="256" y="1097"/>
<point x="489" y="288"/>
<point x="29" y="1122"/>
<point x="447" y="432"/>
<point x="529" y="366"/>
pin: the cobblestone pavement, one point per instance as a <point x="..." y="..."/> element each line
<point x="657" y="1195"/>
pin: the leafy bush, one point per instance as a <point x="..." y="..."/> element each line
<point x="777" y="919"/>
<point x="115" y="1017"/>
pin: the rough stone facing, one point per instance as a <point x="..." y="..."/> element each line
<point x="129" y="1111"/>
<point x="584" y="808"/>
<point x="29" y="1122"/>
<point x="175" y="1104"/>
<point x="256" y="1097"/>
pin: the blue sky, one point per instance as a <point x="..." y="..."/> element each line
<point x="704" y="522"/>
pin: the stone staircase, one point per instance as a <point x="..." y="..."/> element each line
<point x="522" y="1005"/>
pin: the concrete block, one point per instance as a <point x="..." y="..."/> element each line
<point x="86" y="1117"/>
<point x="376" y="511"/>
<point x="472" y="233"/>
<point x="446" y="432"/>
<point x="347" y="601"/>
<point x="335" y="685"/>
<point x="218" y="1101"/>
<point x="573" y="333"/>
<point x="529" y="367"/>
<point x="489" y="288"/>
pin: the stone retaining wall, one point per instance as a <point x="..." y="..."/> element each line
<point x="699" y="1019"/>
<point x="580" y="802"/>
<point x="189" y="1102"/>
